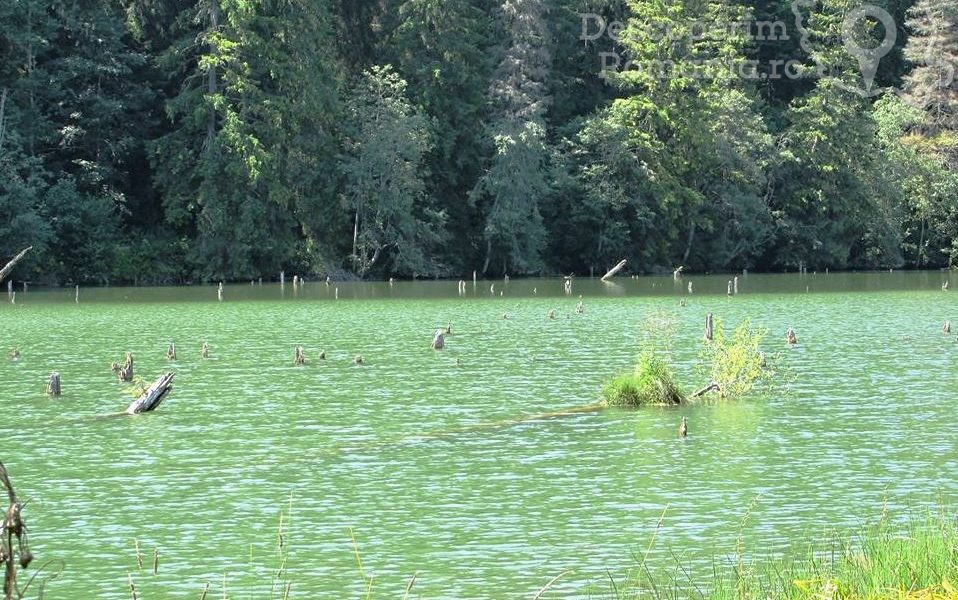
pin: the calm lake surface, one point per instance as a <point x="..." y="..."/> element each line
<point x="389" y="448"/>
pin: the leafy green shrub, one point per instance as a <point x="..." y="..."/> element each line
<point x="650" y="383"/>
<point x="735" y="362"/>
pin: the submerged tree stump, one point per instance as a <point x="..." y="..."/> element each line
<point x="322" y="355"/>
<point x="684" y="428"/>
<point x="125" y="372"/>
<point x="53" y="386"/>
<point x="709" y="327"/>
<point x="790" y="337"/>
<point x="299" y="356"/>
<point x="15" y="353"/>
<point x="438" y="340"/>
<point x="946" y="328"/>
<point x="359" y="360"/>
<point x="171" y="351"/>
<point x="205" y="350"/>
<point x="552" y="313"/>
<point x="153" y="396"/>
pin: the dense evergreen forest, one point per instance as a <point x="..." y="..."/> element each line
<point x="175" y="141"/>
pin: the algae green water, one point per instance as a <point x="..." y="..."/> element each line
<point x="478" y="512"/>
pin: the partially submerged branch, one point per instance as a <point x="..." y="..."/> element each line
<point x="13" y="262"/>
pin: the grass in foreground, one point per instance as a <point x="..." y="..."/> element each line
<point x="916" y="562"/>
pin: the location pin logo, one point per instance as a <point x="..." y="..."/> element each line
<point x="868" y="58"/>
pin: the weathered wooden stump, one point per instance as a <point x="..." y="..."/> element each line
<point x="709" y="328"/>
<point x="580" y="307"/>
<point x="359" y="360"/>
<point x="205" y="350"/>
<point x="552" y="313"/>
<point x="790" y="337"/>
<point x="171" y="351"/>
<point x="438" y="340"/>
<point x="53" y="385"/>
<point x="684" y="428"/>
<point x="124" y="372"/>
<point x="153" y="396"/>
<point x="946" y="328"/>
<point x="299" y="356"/>
<point x="15" y="353"/>
<point x="322" y="355"/>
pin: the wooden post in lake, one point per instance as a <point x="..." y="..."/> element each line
<point x="153" y="396"/>
<point x="76" y="298"/>
<point x="735" y="285"/>
<point x="53" y="385"/>
<point x="684" y="428"/>
<point x="12" y="527"/>
<point x="282" y="279"/>
<point x="729" y="287"/>
<point x="946" y="328"/>
<point x="690" y="288"/>
<point x="611" y="273"/>
<point x="709" y="328"/>
<point x="15" y="353"/>
<point x="359" y="360"/>
<point x="299" y="356"/>
<point x="171" y="351"/>
<point x="219" y="292"/>
<point x="205" y="350"/>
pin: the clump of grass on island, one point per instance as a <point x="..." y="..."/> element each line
<point x="915" y="561"/>
<point x="651" y="383"/>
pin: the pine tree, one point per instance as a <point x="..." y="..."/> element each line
<point x="517" y="180"/>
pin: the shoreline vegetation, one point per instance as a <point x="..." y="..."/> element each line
<point x="914" y="560"/>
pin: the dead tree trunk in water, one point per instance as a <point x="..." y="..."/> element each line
<point x="153" y="396"/>
<point x="614" y="270"/>
<point x="53" y="386"/>
<point x="13" y="262"/>
<point x="12" y="526"/>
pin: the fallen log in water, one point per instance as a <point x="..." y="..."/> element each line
<point x="614" y="270"/>
<point x="13" y="262"/>
<point x="153" y="396"/>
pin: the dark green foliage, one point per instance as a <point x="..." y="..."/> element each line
<point x="169" y="141"/>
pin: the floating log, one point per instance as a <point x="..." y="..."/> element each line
<point x="614" y="270"/>
<point x="171" y="351"/>
<point x="13" y="262"/>
<point x="299" y="356"/>
<point x="53" y="386"/>
<point x="684" y="428"/>
<point x="709" y="328"/>
<point x="153" y="396"/>
<point x="438" y="340"/>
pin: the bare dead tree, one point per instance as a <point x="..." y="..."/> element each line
<point x="12" y="527"/>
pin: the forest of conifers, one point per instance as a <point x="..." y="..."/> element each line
<point x="176" y="141"/>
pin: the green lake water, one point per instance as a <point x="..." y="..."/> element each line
<point x="389" y="448"/>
